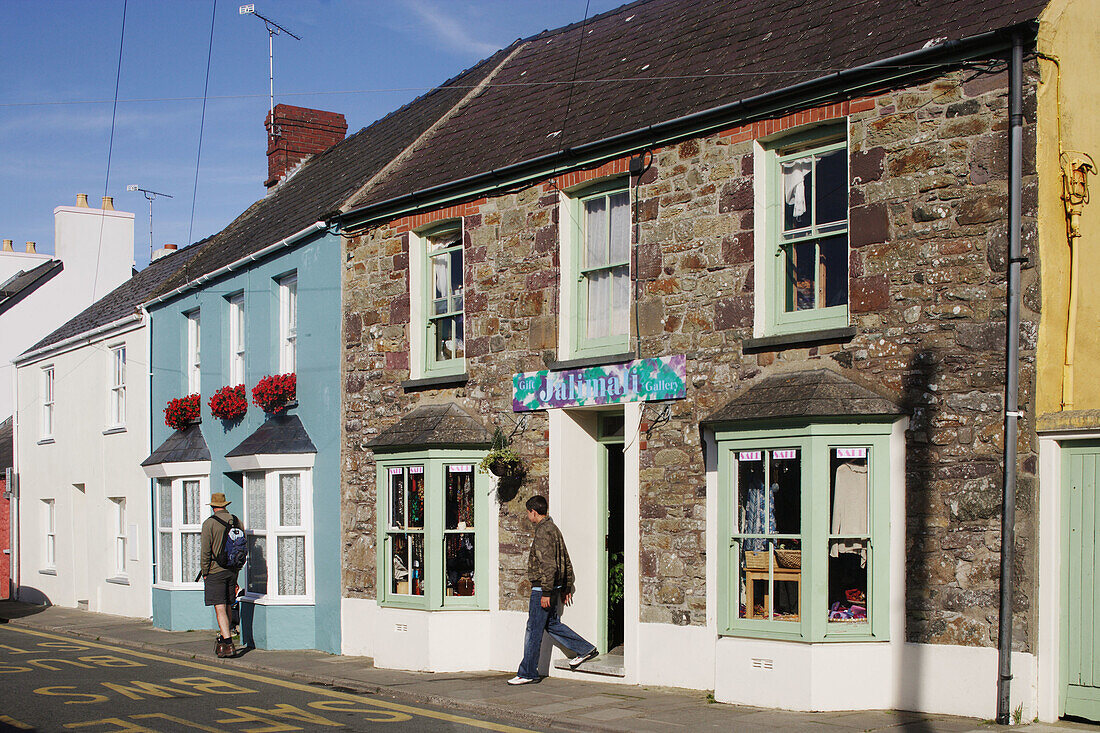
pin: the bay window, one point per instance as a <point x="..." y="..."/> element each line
<point x="182" y="506"/>
<point x="432" y="506"/>
<point x="279" y="526"/>
<point x="805" y="515"/>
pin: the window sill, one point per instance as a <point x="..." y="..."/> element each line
<point x="794" y="340"/>
<point x="47" y="571"/>
<point x="424" y="606"/>
<point x="829" y="638"/>
<point x="119" y="580"/>
<point x="589" y="361"/>
<point x="178" y="586"/>
<point x="269" y="601"/>
<point x="447" y="380"/>
<point x="115" y="430"/>
<point x="45" y="441"/>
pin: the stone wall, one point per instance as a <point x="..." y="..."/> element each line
<point x="928" y="216"/>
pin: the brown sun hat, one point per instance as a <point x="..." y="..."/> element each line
<point x="218" y="500"/>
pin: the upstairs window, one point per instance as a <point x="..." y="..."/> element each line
<point x="288" y="324"/>
<point x="445" y="327"/>
<point x="117" y="390"/>
<point x="194" y="365"/>
<point x="236" y="339"/>
<point x="596" y="249"/>
<point x="47" y="401"/>
<point x="807" y="210"/>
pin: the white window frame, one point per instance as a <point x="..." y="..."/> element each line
<point x="49" y="534"/>
<point x="176" y="528"/>
<point x="288" y="324"/>
<point x="194" y="357"/>
<point x="121" y="538"/>
<point x="772" y="316"/>
<point x="237" y="339"/>
<point x="271" y="530"/>
<point x="116" y="390"/>
<point x="574" y="341"/>
<point x="49" y="386"/>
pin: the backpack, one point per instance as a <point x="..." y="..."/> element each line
<point x="234" y="550"/>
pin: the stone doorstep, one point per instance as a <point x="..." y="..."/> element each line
<point x="607" y="665"/>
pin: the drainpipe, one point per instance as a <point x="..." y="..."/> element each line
<point x="152" y="525"/>
<point x="1012" y="414"/>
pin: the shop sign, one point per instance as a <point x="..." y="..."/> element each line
<point x="643" y="380"/>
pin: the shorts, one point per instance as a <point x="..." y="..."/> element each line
<point x="220" y="588"/>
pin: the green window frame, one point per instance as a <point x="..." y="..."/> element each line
<point x="806" y="209"/>
<point x="601" y="254"/>
<point x="796" y="567"/>
<point x="443" y="304"/>
<point x="432" y="523"/>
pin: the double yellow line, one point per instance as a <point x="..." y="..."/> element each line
<point x="253" y="677"/>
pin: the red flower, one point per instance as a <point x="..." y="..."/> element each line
<point x="229" y="403"/>
<point x="182" y="411"/>
<point x="272" y="393"/>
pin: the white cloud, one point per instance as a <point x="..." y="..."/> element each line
<point x="451" y="30"/>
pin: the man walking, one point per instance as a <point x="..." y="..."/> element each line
<point x="551" y="576"/>
<point x="219" y="584"/>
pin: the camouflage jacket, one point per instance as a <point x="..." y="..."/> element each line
<point x="548" y="566"/>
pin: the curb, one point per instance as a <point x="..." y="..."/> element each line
<point x="341" y="684"/>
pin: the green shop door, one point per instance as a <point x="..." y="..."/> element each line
<point x="1080" y="642"/>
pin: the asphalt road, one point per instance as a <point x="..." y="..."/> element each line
<point x="53" y="682"/>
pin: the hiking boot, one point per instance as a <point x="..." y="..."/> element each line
<point x="228" y="650"/>
<point x="219" y="647"/>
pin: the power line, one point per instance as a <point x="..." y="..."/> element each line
<point x="388" y="90"/>
<point x="202" y="118"/>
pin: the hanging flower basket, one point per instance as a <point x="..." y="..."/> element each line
<point x="229" y="403"/>
<point x="273" y="394"/>
<point x="502" y="461"/>
<point x="182" y="411"/>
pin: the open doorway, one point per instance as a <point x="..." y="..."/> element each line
<point x="613" y="565"/>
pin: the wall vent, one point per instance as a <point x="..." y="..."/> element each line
<point x="401" y="628"/>
<point x="758" y="663"/>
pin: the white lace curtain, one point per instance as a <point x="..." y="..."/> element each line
<point x="607" y="243"/>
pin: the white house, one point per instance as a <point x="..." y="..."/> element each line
<point x="81" y="432"/>
<point x="93" y="255"/>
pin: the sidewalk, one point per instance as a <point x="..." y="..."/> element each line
<point x="553" y="703"/>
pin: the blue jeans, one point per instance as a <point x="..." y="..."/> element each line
<point x="541" y="619"/>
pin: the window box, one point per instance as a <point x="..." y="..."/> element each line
<point x="432" y="519"/>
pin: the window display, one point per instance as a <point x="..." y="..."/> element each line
<point x="849" y="543"/>
<point x="458" y="535"/>
<point x="769" y="518"/>
<point x="407" y="530"/>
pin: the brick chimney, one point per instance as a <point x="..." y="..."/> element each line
<point x="299" y="133"/>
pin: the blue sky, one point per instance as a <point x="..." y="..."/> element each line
<point x="60" y="59"/>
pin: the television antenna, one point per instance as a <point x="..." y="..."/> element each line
<point x="149" y="196"/>
<point x="273" y="29"/>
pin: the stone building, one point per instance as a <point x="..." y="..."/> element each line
<point x="746" y="330"/>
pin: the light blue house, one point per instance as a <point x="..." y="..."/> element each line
<point x="265" y="313"/>
<point x="262" y="298"/>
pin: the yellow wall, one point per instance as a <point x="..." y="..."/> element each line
<point x="1070" y="31"/>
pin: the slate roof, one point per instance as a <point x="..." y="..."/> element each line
<point x="655" y="60"/>
<point x="182" y="446"/>
<point x="25" y="282"/>
<point x="123" y="300"/>
<point x="279" y="435"/>
<point x="7" y="444"/>
<point x="441" y="425"/>
<point x="325" y="181"/>
<point x="805" y="394"/>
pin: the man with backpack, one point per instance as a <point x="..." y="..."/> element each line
<point x="223" y="554"/>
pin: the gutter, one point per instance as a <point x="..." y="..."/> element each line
<point x="72" y="340"/>
<point x="237" y="264"/>
<point x="693" y="124"/>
